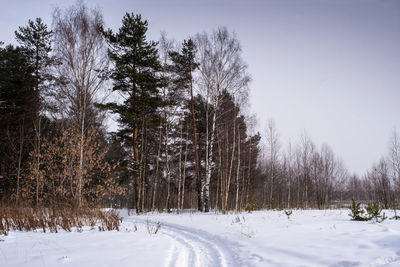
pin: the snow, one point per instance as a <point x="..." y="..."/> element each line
<point x="262" y="238"/>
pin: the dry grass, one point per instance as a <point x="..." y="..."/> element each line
<point x="153" y="227"/>
<point x="55" y="219"/>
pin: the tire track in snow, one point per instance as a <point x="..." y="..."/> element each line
<point x="193" y="247"/>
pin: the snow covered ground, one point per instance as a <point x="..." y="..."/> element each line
<point x="262" y="238"/>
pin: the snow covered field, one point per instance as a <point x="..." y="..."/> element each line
<point x="263" y="238"/>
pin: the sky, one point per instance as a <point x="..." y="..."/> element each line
<point x="327" y="68"/>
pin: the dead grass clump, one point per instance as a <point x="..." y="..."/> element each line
<point x="54" y="219"/>
<point x="153" y="227"/>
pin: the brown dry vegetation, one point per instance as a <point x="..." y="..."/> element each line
<point x="55" y="219"/>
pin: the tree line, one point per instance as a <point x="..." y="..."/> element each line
<point x="184" y="139"/>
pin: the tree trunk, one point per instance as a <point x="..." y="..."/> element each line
<point x="196" y="153"/>
<point x="248" y="177"/>
<point x="237" y="173"/>
<point x="180" y="170"/>
<point x="136" y="156"/>
<point x="144" y="164"/>
<point x="157" y="173"/>
<point x="231" y="164"/>
<point x="81" y="144"/>
<point x="167" y="205"/>
<point x="184" y="167"/>
<point x="21" y="145"/>
<point x="209" y="156"/>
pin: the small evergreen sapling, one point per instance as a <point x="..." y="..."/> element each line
<point x="372" y="209"/>
<point x="288" y="213"/>
<point x="374" y="212"/>
<point x="356" y="212"/>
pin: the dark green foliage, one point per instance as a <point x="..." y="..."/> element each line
<point x="184" y="64"/>
<point x="288" y="213"/>
<point x="16" y="129"/>
<point x="135" y="74"/>
<point x="373" y="212"/>
<point x="357" y="212"/>
<point x="35" y="39"/>
<point x="136" y="77"/>
<point x="15" y="84"/>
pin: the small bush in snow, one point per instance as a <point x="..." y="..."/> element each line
<point x="288" y="213"/>
<point x="374" y="212"/>
<point x="357" y="212"/>
<point x="252" y="205"/>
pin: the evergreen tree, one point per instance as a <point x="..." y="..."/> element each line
<point x="135" y="77"/>
<point x="36" y="40"/>
<point x="183" y="66"/>
<point x="16" y="94"/>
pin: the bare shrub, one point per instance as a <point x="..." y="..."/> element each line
<point x="54" y="219"/>
<point x="153" y="227"/>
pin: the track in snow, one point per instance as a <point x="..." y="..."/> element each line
<point x="193" y="247"/>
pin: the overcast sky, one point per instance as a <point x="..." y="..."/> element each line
<point x="331" y="68"/>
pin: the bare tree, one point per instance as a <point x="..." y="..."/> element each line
<point x="289" y="165"/>
<point x="395" y="159"/>
<point x="80" y="47"/>
<point x="307" y="148"/>
<point x="342" y="175"/>
<point x="273" y="154"/>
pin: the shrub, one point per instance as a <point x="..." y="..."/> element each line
<point x="288" y="213"/>
<point x="252" y="205"/>
<point x="373" y="212"/>
<point x="356" y="212"/>
<point x="54" y="219"/>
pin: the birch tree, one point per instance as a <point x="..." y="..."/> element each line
<point x="221" y="69"/>
<point x="80" y="47"/>
<point x="394" y="158"/>
<point x="272" y="151"/>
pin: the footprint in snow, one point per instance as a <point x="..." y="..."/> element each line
<point x="256" y="258"/>
<point x="65" y="259"/>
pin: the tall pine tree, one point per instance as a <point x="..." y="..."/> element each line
<point x="135" y="77"/>
<point x="36" y="40"/>
<point x="183" y="65"/>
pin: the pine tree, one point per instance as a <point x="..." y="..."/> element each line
<point x="183" y="65"/>
<point x="16" y="94"/>
<point x="357" y="213"/>
<point x="135" y="77"/>
<point x="36" y="40"/>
